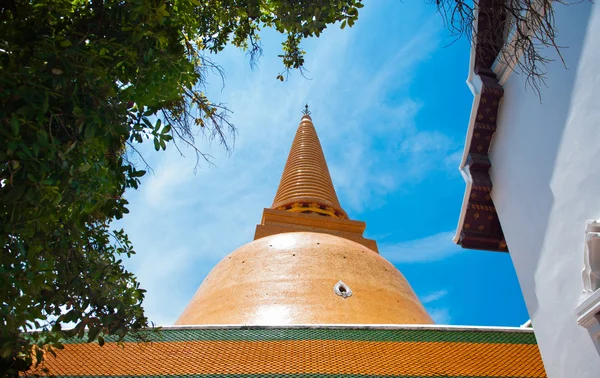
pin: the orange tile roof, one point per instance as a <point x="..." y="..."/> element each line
<point x="314" y="352"/>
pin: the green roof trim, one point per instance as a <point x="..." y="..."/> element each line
<point x="377" y="335"/>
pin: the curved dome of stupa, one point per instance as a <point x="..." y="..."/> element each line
<point x="304" y="278"/>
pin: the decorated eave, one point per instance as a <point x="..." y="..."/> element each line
<point x="478" y="225"/>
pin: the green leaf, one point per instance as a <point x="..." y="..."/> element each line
<point x="92" y="333"/>
<point x="70" y="146"/>
<point x="89" y="132"/>
<point x="6" y="351"/>
<point x="162" y="11"/>
<point x="84" y="167"/>
<point x="39" y="356"/>
<point x="42" y="138"/>
<point x="46" y="103"/>
<point x="147" y="122"/>
<point x="14" y="124"/>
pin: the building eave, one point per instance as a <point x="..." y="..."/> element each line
<point x="474" y="84"/>
<point x="478" y="223"/>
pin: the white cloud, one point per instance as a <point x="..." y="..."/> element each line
<point x="426" y="142"/>
<point x="375" y="113"/>
<point x="440" y="315"/>
<point x="452" y="161"/>
<point x="435" y="296"/>
<point x="431" y="248"/>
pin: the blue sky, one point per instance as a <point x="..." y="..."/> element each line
<point x="390" y="104"/>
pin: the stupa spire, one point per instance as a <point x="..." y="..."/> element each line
<point x="306" y="185"/>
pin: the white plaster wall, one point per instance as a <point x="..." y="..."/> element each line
<point x="546" y="175"/>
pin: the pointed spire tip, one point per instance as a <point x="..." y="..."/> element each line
<point x="306" y="113"/>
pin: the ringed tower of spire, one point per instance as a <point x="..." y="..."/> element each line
<point x="306" y="185"/>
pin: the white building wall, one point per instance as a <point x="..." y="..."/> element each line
<point x="546" y="176"/>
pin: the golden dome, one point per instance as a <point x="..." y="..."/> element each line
<point x="305" y="183"/>
<point x="304" y="278"/>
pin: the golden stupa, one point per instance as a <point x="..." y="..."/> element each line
<point x="308" y="263"/>
<point x="310" y="296"/>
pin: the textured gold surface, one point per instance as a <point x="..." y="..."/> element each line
<point x="288" y="357"/>
<point x="305" y="180"/>
<point x="289" y="278"/>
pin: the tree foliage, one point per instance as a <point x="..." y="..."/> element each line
<point x="81" y="83"/>
<point x="521" y="33"/>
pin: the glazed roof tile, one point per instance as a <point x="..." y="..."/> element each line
<point x="407" y="352"/>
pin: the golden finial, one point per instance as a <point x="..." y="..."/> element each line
<point x="306" y="111"/>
